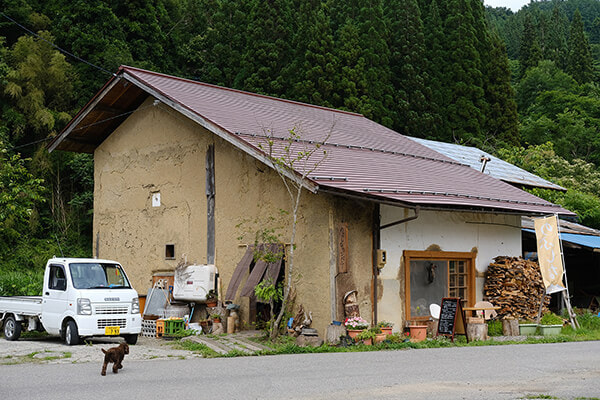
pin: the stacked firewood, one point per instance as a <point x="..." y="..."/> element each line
<point x="515" y="285"/>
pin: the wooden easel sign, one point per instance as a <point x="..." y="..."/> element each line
<point x="452" y="319"/>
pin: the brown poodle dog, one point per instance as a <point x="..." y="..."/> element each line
<point x="115" y="355"/>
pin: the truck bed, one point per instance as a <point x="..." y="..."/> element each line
<point x="23" y="305"/>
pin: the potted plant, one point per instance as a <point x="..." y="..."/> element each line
<point x="355" y="325"/>
<point x="379" y="335"/>
<point x="366" y="336"/>
<point x="527" y="327"/>
<point x="551" y="324"/>
<point x="216" y="318"/>
<point x="386" y="327"/>
<point x="211" y="298"/>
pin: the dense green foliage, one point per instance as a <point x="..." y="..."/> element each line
<point x="447" y="70"/>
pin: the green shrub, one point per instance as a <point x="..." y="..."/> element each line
<point x="551" y="319"/>
<point x="21" y="283"/>
<point x="495" y="328"/>
<point x="589" y="321"/>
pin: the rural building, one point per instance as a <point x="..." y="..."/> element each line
<point x="182" y="169"/>
<point x="581" y="244"/>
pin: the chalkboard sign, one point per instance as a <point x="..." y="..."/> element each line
<point x="452" y="318"/>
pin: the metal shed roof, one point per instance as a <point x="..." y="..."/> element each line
<point x="495" y="167"/>
<point x="364" y="159"/>
<point x="592" y="242"/>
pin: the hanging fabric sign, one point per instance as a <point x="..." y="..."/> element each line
<point x="549" y="253"/>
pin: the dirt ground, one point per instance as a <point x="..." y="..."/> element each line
<point x="51" y="350"/>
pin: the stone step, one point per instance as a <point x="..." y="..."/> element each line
<point x="210" y="343"/>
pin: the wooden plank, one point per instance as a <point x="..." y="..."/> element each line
<point x="255" y="277"/>
<point x="342" y="248"/>
<point x="239" y="273"/>
<point x="274" y="267"/>
<point x="210" y="204"/>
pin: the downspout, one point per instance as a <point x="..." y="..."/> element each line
<point x="377" y="245"/>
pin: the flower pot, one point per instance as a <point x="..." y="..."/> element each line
<point x="353" y="333"/>
<point x="549" y="330"/>
<point x="527" y="329"/>
<point x="418" y="333"/>
<point x="380" y="337"/>
<point x="211" y="303"/>
<point x="368" y="342"/>
<point x="387" y="331"/>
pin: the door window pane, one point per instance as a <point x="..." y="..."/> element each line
<point x="428" y="285"/>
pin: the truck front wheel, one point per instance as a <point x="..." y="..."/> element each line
<point x="12" y="328"/>
<point x="71" y="334"/>
<point x="131" y="339"/>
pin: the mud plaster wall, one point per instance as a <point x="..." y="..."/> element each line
<point x="489" y="235"/>
<point x="152" y="151"/>
<point x="359" y="216"/>
<point x="158" y="150"/>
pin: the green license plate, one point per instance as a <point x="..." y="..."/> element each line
<point x="112" y="330"/>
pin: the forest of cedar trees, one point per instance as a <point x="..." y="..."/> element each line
<point x="521" y="85"/>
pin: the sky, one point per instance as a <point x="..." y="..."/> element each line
<point x="514" y="5"/>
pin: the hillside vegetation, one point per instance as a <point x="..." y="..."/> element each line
<point x="521" y="85"/>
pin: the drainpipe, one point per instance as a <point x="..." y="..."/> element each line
<point x="377" y="245"/>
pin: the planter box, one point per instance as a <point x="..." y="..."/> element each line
<point x="527" y="329"/>
<point x="549" y="330"/>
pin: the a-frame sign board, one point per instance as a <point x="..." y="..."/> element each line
<point x="452" y="319"/>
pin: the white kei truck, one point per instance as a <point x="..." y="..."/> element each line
<point x="82" y="297"/>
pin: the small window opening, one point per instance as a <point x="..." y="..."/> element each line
<point x="170" y="251"/>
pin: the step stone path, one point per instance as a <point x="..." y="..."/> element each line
<point x="226" y="343"/>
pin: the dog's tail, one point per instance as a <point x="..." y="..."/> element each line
<point x="104" y="351"/>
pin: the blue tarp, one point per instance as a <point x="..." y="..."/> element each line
<point x="582" y="240"/>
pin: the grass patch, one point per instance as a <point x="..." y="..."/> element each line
<point x="197" y="348"/>
<point x="590" y="330"/>
<point x="34" y="358"/>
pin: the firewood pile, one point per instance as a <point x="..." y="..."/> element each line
<point x="515" y="285"/>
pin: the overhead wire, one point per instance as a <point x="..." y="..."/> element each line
<point x="55" y="46"/>
<point x="156" y="102"/>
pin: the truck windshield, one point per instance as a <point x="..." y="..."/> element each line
<point x="98" y="276"/>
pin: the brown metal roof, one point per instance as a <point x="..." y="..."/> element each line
<point x="363" y="158"/>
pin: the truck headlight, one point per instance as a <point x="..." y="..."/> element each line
<point x="84" y="307"/>
<point x="135" y="305"/>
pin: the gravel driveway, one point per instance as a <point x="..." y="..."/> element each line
<point x="51" y="350"/>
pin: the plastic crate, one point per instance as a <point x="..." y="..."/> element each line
<point x="173" y="325"/>
<point x="160" y="328"/>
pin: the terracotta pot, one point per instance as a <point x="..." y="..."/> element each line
<point x="418" y="333"/>
<point x="368" y="342"/>
<point x="211" y="303"/>
<point x="380" y="337"/>
<point x="387" y="331"/>
<point x="353" y="333"/>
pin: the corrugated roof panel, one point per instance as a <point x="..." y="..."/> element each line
<point x="495" y="167"/>
<point x="363" y="157"/>
<point x="415" y="180"/>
